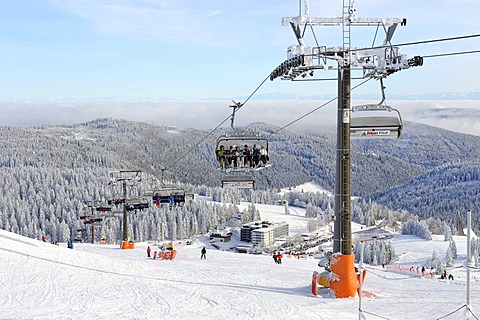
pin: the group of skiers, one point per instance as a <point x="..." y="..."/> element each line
<point x="203" y="256"/>
<point x="277" y="257"/>
<point x="446" y="276"/>
<point x="235" y="157"/>
<point x="423" y="271"/>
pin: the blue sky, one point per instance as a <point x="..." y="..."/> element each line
<point x="206" y="49"/>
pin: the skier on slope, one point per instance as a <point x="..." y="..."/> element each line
<point x="148" y="251"/>
<point x="204" y="253"/>
<point x="279" y="258"/>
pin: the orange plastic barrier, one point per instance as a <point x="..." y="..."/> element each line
<point x="314" y="283"/>
<point x="128" y="245"/>
<point x="345" y="284"/>
<point x="169" y="255"/>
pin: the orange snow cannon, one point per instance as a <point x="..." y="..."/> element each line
<point x="343" y="280"/>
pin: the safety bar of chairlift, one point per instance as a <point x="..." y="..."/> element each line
<point x="376" y="127"/>
<point x="239" y="178"/>
<point x="238" y="185"/>
<point x="374" y="134"/>
<point x="373" y="107"/>
<point x="241" y="140"/>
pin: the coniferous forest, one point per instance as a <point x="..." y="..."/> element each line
<point x="51" y="173"/>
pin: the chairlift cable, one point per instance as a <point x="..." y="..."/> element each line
<point x="401" y="44"/>
<point x="450" y="54"/>
<point x="252" y="94"/>
<point x="422" y="42"/>
<point x="303" y="116"/>
<point x="316" y="109"/>
<point x="437" y="40"/>
<point x="333" y="99"/>
<point x="184" y="156"/>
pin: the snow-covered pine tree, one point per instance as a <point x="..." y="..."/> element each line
<point x="453" y="247"/>
<point x="447" y="232"/>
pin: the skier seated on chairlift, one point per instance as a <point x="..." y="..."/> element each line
<point x="222" y="156"/>
<point x="256" y="156"/>
<point x="264" y="155"/>
<point x="231" y="157"/>
<point x="238" y="157"/>
<point x="156" y="199"/>
<point x="247" y="157"/>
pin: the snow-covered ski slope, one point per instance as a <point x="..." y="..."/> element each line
<point x="43" y="281"/>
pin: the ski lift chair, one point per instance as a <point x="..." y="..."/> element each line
<point x="169" y="195"/>
<point x="240" y="139"/>
<point x="250" y="140"/>
<point x="385" y="124"/>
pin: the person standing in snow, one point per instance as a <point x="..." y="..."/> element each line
<point x="279" y="258"/>
<point x="204" y="253"/>
<point x="275" y="257"/>
<point x="148" y="251"/>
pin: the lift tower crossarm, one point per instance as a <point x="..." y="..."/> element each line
<point x="352" y="21"/>
<point x="376" y="62"/>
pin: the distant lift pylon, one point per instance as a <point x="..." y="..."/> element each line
<point x="385" y="126"/>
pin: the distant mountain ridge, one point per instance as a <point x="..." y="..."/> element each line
<point x="402" y="174"/>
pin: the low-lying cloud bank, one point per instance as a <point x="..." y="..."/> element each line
<point x="456" y="115"/>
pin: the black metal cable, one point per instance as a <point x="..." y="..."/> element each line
<point x="437" y="40"/>
<point x="422" y="42"/>
<point x="316" y="109"/>
<point x="312" y="111"/>
<point x="218" y="126"/>
<point x="450" y="54"/>
<point x="254" y="91"/>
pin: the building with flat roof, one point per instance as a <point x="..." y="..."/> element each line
<point x="263" y="233"/>
<point x="221" y="235"/>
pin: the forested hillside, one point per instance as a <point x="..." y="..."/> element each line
<point x="49" y="173"/>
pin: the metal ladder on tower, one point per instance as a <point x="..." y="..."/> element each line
<point x="346" y="15"/>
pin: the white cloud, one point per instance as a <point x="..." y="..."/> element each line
<point x="460" y="115"/>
